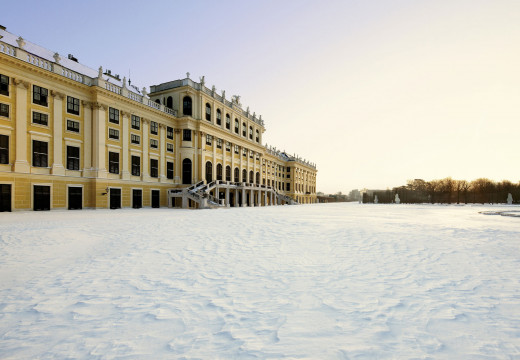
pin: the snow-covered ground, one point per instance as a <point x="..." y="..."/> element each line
<point x="328" y="281"/>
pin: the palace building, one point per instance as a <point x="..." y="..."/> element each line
<point x="72" y="137"/>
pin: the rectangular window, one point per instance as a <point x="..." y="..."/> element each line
<point x="251" y="154"/>
<point x="169" y="133"/>
<point x="135" y="139"/>
<point x="72" y="158"/>
<point x="208" y="139"/>
<point x="244" y="153"/>
<point x="113" y="115"/>
<point x="113" y="134"/>
<point x="169" y="147"/>
<point x="4" y="149"/>
<point x="40" y="95"/>
<point x="154" y="168"/>
<point x="153" y="127"/>
<point x="4" y="85"/>
<point x="40" y="151"/>
<point x="136" y="122"/>
<point x="72" y="105"/>
<point x="154" y="144"/>
<point x="73" y="126"/>
<point x="4" y="110"/>
<point x="113" y="162"/>
<point x="41" y="119"/>
<point x="169" y="170"/>
<point x="136" y="165"/>
<point x="236" y="149"/>
<point x="288" y="175"/>
<point x="228" y="146"/>
<point x="219" y="143"/>
<point x="288" y="186"/>
<point x="186" y="135"/>
<point x="236" y="126"/>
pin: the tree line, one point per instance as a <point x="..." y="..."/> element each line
<point x="449" y="191"/>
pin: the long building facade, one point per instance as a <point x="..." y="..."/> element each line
<point x="72" y="137"/>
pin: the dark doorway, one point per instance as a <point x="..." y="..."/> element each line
<point x="42" y="197"/>
<point x="156" y="198"/>
<point x="5" y="197"/>
<point x="186" y="171"/>
<point x="232" y="199"/>
<point x="115" y="198"/>
<point x="137" y="198"/>
<point x="75" y="198"/>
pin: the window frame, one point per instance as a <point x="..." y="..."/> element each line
<point x="136" y="165"/>
<point x="169" y="147"/>
<point x="228" y="122"/>
<point x="154" y="168"/>
<point x="208" y="112"/>
<point x="154" y="128"/>
<point x="73" y="160"/>
<point x="3" y="113"/>
<point x="72" y="104"/>
<point x="40" y="158"/>
<point x="113" y="165"/>
<point x="186" y="134"/>
<point x="113" y="115"/>
<point x="72" y="128"/>
<point x="42" y="94"/>
<point x="154" y="144"/>
<point x="135" y="139"/>
<point x="4" y="85"/>
<point x="169" y="132"/>
<point x="136" y="122"/>
<point x="112" y="133"/>
<point x="4" y="149"/>
<point x="40" y="121"/>
<point x="219" y="117"/>
<point x="169" y="170"/>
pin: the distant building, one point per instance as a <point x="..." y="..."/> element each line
<point x="72" y="137"/>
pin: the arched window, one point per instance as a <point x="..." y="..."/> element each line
<point x="228" y="173"/>
<point x="186" y="171"/>
<point x="236" y="126"/>
<point x="209" y="172"/>
<point x="251" y="175"/>
<point x="257" y="178"/>
<point x="244" y="129"/>
<point x="158" y="101"/>
<point x="169" y="102"/>
<point x="208" y="112"/>
<point x="251" y="132"/>
<point x="228" y="122"/>
<point x="219" y="171"/>
<point x="257" y="136"/>
<point x="237" y="175"/>
<point x="186" y="106"/>
<point x="244" y="175"/>
<point x="219" y="117"/>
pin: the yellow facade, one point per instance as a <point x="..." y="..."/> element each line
<point x="80" y="138"/>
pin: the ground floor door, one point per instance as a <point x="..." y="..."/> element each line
<point x="115" y="198"/>
<point x="137" y="198"/>
<point x="156" y="198"/>
<point x="42" y="197"/>
<point x="5" y="197"/>
<point x="75" y="198"/>
<point x="232" y="198"/>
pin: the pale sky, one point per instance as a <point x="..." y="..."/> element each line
<point x="373" y="92"/>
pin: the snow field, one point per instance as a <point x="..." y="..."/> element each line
<point x="327" y="281"/>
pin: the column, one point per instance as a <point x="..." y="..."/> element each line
<point x="271" y="199"/>
<point x="265" y="198"/>
<point x="214" y="147"/>
<point x="99" y="142"/>
<point x="21" y="164"/>
<point x="196" y="165"/>
<point x="57" y="133"/>
<point x="125" y="173"/>
<point x="227" y="196"/>
<point x="145" y="171"/>
<point x="244" y="202"/>
<point x="203" y="169"/>
<point x="236" y="197"/>
<point x="87" y="138"/>
<point x="162" y="147"/>
<point x="177" y="155"/>
<point x="252" y="198"/>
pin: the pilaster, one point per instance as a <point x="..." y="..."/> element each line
<point x="21" y="164"/>
<point x="99" y="140"/>
<point x="87" y="138"/>
<point x="57" y="165"/>
<point x="146" y="145"/>
<point x="125" y="173"/>
<point x="178" y="160"/>
<point x="162" y="147"/>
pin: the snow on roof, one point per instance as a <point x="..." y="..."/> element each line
<point x="64" y="61"/>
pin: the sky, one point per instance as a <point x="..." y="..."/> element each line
<point x="373" y="92"/>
